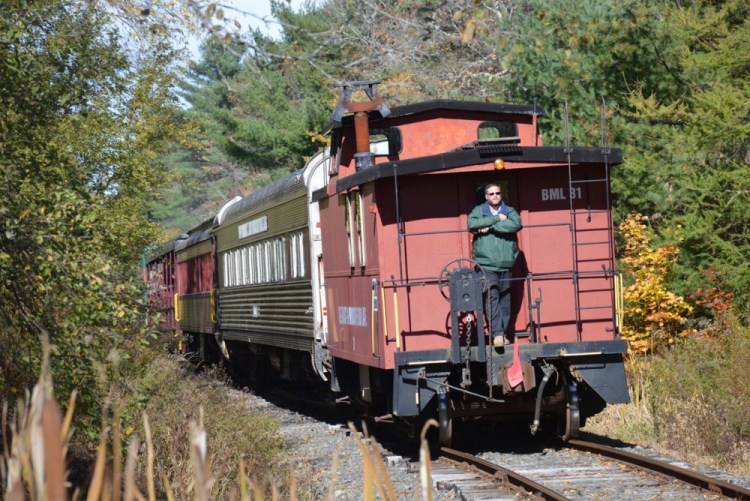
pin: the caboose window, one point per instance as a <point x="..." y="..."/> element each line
<point x="349" y="222"/>
<point x="360" y="231"/>
<point x="385" y="142"/>
<point x="498" y="130"/>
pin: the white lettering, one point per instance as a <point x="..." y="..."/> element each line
<point x="559" y="193"/>
<point x="353" y="315"/>
<point x="253" y="227"/>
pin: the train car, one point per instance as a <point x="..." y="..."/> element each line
<point x="195" y="298"/>
<point x="403" y="289"/>
<point x="357" y="270"/>
<point x="159" y="278"/>
<point x="269" y="263"/>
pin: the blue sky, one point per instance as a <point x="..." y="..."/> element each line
<point x="250" y="14"/>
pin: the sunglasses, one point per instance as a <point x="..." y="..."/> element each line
<point x="492" y="194"/>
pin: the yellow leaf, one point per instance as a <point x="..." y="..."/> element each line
<point x="468" y="33"/>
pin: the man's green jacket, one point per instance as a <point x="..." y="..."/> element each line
<point x="497" y="249"/>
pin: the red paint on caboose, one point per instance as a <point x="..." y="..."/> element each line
<point x="434" y="131"/>
<point x="564" y="270"/>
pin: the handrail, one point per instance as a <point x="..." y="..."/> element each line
<point x="213" y="306"/>
<point x="177" y="312"/>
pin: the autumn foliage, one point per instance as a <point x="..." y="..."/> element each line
<point x="715" y="296"/>
<point x="653" y="316"/>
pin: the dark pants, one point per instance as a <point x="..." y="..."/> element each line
<point x="499" y="302"/>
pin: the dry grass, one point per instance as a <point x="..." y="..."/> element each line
<point x="633" y="424"/>
<point x="185" y="409"/>
<point x="184" y="437"/>
<point x="180" y="452"/>
<point x="691" y="402"/>
<point x="160" y="421"/>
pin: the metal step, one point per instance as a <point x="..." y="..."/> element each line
<point x="586" y="181"/>
<point x="592" y="243"/>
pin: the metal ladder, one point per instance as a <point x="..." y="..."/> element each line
<point x="608" y="268"/>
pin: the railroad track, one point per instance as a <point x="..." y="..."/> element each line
<point x="511" y="479"/>
<point x="568" y="474"/>
<point x="726" y="489"/>
<point x="577" y="470"/>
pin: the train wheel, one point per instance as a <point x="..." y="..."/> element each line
<point x="445" y="422"/>
<point x="570" y="422"/>
<point x="445" y="428"/>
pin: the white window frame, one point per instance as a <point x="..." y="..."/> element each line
<point x="267" y="256"/>
<point x="361" y="230"/>
<point x="301" y="254"/>
<point x="225" y="259"/>
<point x="293" y="254"/>
<point x="251" y="264"/>
<point x="349" y="223"/>
<point x="243" y="259"/>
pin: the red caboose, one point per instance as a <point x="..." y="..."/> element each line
<point x="405" y="296"/>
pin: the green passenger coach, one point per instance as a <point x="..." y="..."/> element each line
<point x="268" y="268"/>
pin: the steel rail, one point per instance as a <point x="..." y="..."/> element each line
<point x="691" y="477"/>
<point x="508" y="477"/>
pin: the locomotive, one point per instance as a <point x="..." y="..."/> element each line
<point x="356" y="270"/>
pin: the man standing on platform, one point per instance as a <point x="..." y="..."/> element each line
<point x="495" y="248"/>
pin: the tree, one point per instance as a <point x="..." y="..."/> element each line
<point x="654" y="316"/>
<point x="257" y="111"/>
<point x="706" y="146"/>
<point x="83" y="123"/>
<point x="675" y="77"/>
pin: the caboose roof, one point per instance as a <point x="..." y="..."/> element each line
<point x="477" y="154"/>
<point x="448" y="105"/>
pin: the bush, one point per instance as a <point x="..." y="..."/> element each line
<point x="172" y="396"/>
<point x="699" y="398"/>
<point x="83" y="120"/>
<point x="654" y="316"/>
